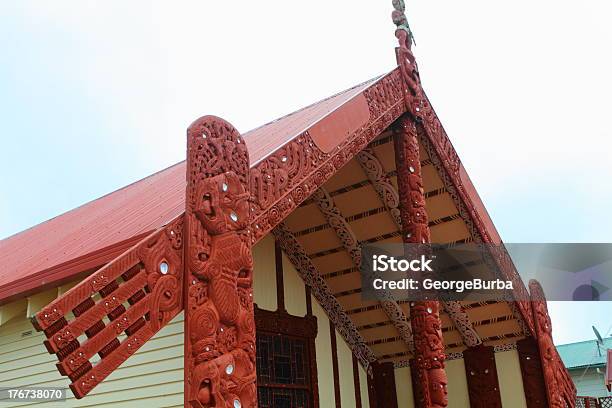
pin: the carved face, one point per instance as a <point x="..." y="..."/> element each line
<point x="437" y="388"/>
<point x="222" y="204"/>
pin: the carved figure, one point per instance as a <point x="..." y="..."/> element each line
<point x="222" y="326"/>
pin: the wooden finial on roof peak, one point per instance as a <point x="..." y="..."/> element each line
<point x="403" y="31"/>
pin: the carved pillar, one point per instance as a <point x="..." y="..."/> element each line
<point x="219" y="319"/>
<point x="430" y="391"/>
<point x="481" y="374"/>
<point x="531" y="371"/>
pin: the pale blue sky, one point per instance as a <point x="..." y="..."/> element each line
<point x="95" y="95"/>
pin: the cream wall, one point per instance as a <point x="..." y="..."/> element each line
<point x="264" y="274"/>
<point x="325" y="370"/>
<point x="403" y="388"/>
<point x="510" y="379"/>
<point x="457" y="384"/>
<point x="508" y="372"/>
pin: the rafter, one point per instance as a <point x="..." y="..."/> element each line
<point x="351" y="244"/>
<point x="311" y="277"/>
<point x="389" y="195"/>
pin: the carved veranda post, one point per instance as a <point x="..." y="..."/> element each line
<point x="219" y="320"/>
<point x="428" y="374"/>
<point x="429" y="377"/>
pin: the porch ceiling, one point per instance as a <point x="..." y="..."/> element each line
<point x="356" y="197"/>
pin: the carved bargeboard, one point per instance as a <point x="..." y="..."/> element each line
<point x="560" y="388"/>
<point x="117" y="309"/>
<point x="219" y="320"/>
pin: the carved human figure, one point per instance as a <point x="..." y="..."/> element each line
<point x="222" y="330"/>
<point x="438" y="393"/>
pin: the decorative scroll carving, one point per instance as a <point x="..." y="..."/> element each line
<point x="312" y="278"/>
<point x="140" y="292"/>
<point x="283" y="180"/>
<point x="425" y="316"/>
<point x="381" y="182"/>
<point x="458" y="355"/>
<point x="560" y="389"/>
<point x="481" y="374"/>
<point x="531" y="371"/>
<point x="462" y="322"/>
<point x="346" y="235"/>
<point x="219" y="320"/>
<point x="390" y="197"/>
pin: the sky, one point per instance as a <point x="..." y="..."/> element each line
<point x="94" y="96"/>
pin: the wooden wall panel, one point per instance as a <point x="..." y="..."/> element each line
<point x="481" y="374"/>
<point x="153" y="376"/>
<point x="264" y="274"/>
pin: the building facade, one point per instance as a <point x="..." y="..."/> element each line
<point x="232" y="279"/>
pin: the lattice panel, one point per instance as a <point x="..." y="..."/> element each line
<point x="587" y="402"/>
<point x="283" y="372"/>
<point x="114" y="311"/>
<point x="605" y="402"/>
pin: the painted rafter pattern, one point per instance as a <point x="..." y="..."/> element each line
<point x="390" y="197"/>
<point x="517" y="307"/>
<point x="351" y="244"/>
<point x="311" y="277"/>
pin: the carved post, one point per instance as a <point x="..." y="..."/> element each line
<point x="531" y="371"/>
<point x="430" y="388"/>
<point x="219" y="319"/>
<point x="428" y="372"/>
<point x="481" y="374"/>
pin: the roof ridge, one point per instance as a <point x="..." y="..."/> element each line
<point x="373" y="79"/>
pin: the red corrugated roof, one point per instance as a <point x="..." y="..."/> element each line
<point x="95" y="233"/>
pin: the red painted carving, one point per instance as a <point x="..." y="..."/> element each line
<point x="560" y="389"/>
<point x="445" y="158"/>
<point x="531" y="371"/>
<point x="481" y="374"/>
<point x="219" y="320"/>
<point x="424" y="316"/>
<point x="312" y="278"/>
<point x="140" y="292"/>
<point x="283" y="180"/>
